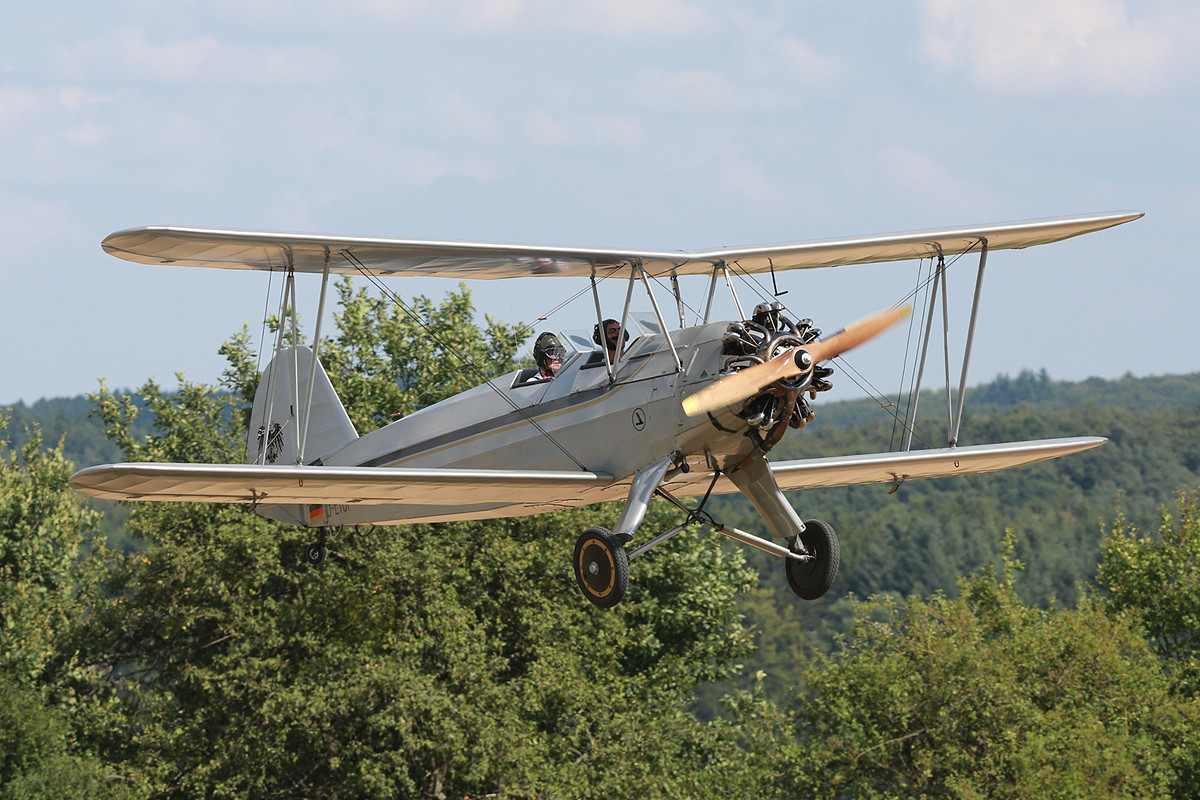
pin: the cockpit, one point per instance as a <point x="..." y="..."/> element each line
<point x="584" y="354"/>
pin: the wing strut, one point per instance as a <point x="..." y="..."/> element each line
<point x="954" y="402"/>
<point x="638" y="272"/>
<point x="609" y="364"/>
<point x="292" y="319"/>
<point x="267" y="432"/>
<point x="720" y="268"/>
<point x="962" y="381"/>
<point x="312" y="372"/>
<point x="658" y="314"/>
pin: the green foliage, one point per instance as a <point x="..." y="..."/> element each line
<point x="425" y="660"/>
<point x="1158" y="577"/>
<point x="196" y="424"/>
<point x="986" y="696"/>
<point x="46" y="591"/>
<point x="388" y="362"/>
<point x="459" y="660"/>
<point x="69" y="421"/>
<point x="65" y="419"/>
<point x="37" y="759"/>
<point x="43" y="527"/>
<point x="921" y="538"/>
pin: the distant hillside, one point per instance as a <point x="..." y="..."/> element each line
<point x="68" y="418"/>
<point x="926" y="534"/>
<point x="1154" y="393"/>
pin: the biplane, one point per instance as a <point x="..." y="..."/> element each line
<point x="680" y="412"/>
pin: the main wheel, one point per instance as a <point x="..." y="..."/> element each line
<point x="811" y="579"/>
<point x="314" y="554"/>
<point x="601" y="567"/>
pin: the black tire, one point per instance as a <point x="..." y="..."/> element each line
<point x="811" y="579"/>
<point x="314" y="554"/>
<point x="601" y="567"/>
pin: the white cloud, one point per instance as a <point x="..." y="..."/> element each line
<point x="74" y="98"/>
<point x="898" y="172"/>
<point x="28" y="224"/>
<point x="742" y="179"/>
<point x="131" y="53"/>
<point x="600" y="18"/>
<point x="41" y="130"/>
<point x="802" y="60"/>
<point x="557" y="130"/>
<point x="700" y="90"/>
<point x="16" y="102"/>
<point x="624" y="17"/>
<point x="87" y="134"/>
<point x="462" y="118"/>
<point x="493" y="13"/>
<point x="1082" y="45"/>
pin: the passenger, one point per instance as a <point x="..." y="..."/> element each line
<point x="548" y="353"/>
<point x="612" y="337"/>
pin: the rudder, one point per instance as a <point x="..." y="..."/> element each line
<point x="329" y="427"/>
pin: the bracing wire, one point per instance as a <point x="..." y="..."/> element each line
<point x="262" y="333"/>
<point x="860" y="381"/>
<point x="907" y="378"/>
<point x="466" y="362"/>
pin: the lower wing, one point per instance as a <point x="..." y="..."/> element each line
<point x="940" y="463"/>
<point x="525" y="491"/>
<point x="250" y="483"/>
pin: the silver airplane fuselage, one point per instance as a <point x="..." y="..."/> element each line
<point x="580" y="420"/>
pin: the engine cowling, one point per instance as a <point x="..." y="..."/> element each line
<point x="781" y="405"/>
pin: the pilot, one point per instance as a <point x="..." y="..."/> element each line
<point x="612" y="337"/>
<point x="549" y="354"/>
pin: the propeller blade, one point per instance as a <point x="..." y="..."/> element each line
<point x="790" y="363"/>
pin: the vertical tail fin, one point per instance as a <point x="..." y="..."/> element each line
<point x="282" y="421"/>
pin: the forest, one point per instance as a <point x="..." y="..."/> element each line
<point x="1027" y="633"/>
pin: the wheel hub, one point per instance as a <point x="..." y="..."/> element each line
<point x="599" y="577"/>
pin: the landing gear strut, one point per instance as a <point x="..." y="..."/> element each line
<point x="315" y="553"/>
<point x="811" y="558"/>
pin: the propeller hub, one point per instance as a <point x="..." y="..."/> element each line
<point x="802" y="360"/>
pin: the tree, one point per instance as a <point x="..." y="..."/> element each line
<point x="389" y="360"/>
<point x="43" y="526"/>
<point x="1157" y="576"/>
<point x="45" y="592"/>
<point x="985" y="696"/>
<point x="425" y="660"/>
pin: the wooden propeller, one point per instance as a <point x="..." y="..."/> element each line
<point x="791" y="362"/>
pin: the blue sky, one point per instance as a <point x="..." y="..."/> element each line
<point x="658" y="124"/>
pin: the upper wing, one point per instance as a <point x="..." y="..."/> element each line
<point x="250" y="483"/>
<point x="196" y="247"/>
